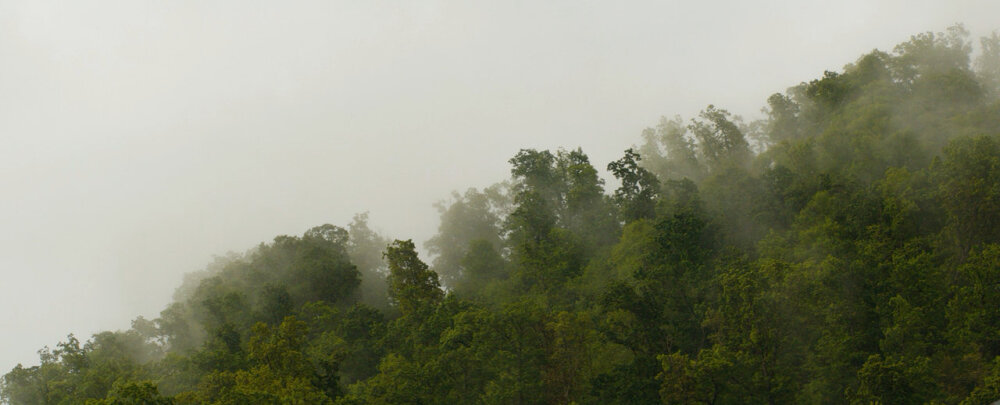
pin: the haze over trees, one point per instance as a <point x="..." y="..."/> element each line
<point x="844" y="249"/>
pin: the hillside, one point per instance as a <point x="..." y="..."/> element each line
<point x="845" y="249"/>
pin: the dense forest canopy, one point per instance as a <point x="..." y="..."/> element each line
<point x="844" y="249"/>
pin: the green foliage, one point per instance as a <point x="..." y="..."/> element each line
<point x="720" y="141"/>
<point x="845" y="249"/>
<point x="412" y="286"/>
<point x="134" y="393"/>
<point x="364" y="248"/>
<point x="481" y="264"/>
<point x="561" y="217"/>
<point x="970" y="190"/>
<point x="669" y="152"/>
<point x="636" y="198"/>
<point x="988" y="64"/>
<point x="471" y="218"/>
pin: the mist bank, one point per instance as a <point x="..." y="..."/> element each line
<point x="844" y="249"/>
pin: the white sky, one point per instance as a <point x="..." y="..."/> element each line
<point x="139" y="138"/>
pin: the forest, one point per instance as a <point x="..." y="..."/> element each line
<point x="843" y="249"/>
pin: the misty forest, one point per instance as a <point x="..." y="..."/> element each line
<point x="845" y="248"/>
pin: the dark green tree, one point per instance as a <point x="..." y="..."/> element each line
<point x="412" y="285"/>
<point x="636" y="198"/>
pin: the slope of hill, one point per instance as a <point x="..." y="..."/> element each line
<point x="846" y="249"/>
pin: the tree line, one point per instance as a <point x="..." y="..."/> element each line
<point x="844" y="249"/>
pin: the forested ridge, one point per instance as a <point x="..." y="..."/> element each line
<point x="844" y="249"/>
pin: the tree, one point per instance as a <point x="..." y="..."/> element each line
<point x="469" y="217"/>
<point x="636" y="198"/>
<point x="278" y="371"/>
<point x="480" y="265"/>
<point x="970" y="191"/>
<point x="365" y="247"/>
<point x="587" y="212"/>
<point x="412" y="286"/>
<point x="669" y="152"/>
<point x="323" y="269"/>
<point x="988" y="63"/>
<point x="782" y="118"/>
<point x="134" y="393"/>
<point x="720" y="141"/>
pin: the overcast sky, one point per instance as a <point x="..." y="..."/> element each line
<point x="140" y="138"/>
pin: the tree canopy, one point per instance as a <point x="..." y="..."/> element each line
<point x="843" y="249"/>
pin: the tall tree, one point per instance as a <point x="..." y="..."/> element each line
<point x="720" y="141"/>
<point x="412" y="285"/>
<point x="365" y="248"/>
<point x="636" y="198"/>
<point x="469" y="217"/>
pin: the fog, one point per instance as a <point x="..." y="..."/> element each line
<point x="140" y="138"/>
